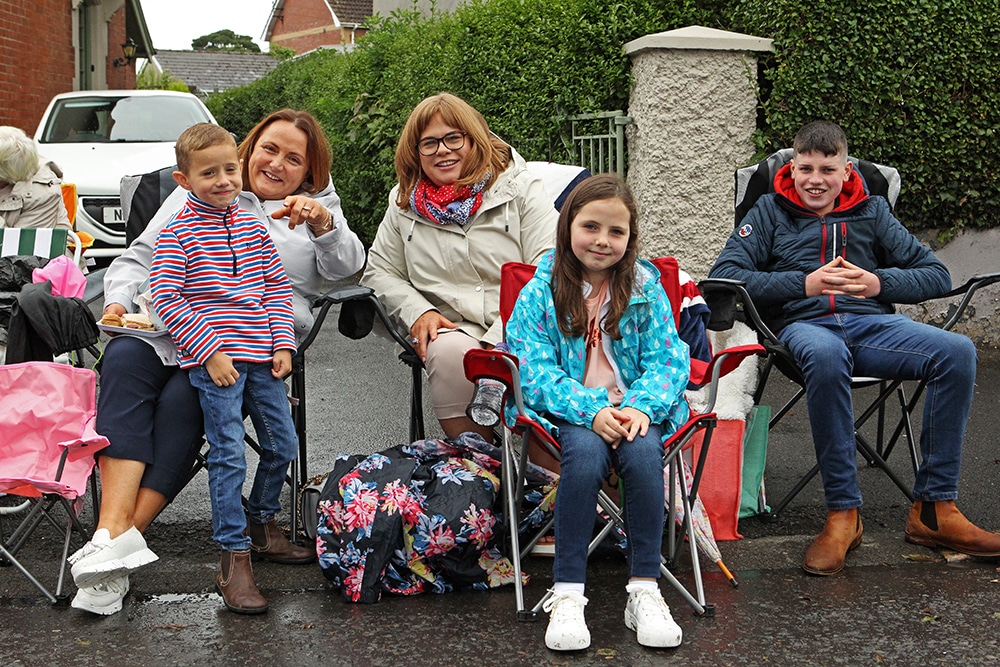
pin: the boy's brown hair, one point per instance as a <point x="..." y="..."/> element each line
<point x="196" y="138"/>
<point x="820" y="136"/>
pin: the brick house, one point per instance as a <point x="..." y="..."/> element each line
<point x="306" y="25"/>
<point x="55" y="46"/>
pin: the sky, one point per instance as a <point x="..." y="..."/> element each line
<point x="174" y="23"/>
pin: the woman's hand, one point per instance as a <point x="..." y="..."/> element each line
<point x="300" y="209"/>
<point x="114" y="309"/>
<point x="425" y="329"/>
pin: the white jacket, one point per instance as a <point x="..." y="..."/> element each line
<point x="308" y="260"/>
<point x="36" y="202"/>
<point x="415" y="265"/>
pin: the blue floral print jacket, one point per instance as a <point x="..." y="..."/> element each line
<point x="652" y="360"/>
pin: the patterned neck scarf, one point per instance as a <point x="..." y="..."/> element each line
<point x="447" y="204"/>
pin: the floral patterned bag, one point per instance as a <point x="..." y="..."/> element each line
<point x="411" y="519"/>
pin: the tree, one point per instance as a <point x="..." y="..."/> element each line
<point x="225" y="40"/>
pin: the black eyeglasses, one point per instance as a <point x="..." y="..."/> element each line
<point x="452" y="141"/>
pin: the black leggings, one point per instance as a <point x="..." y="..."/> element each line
<point x="149" y="412"/>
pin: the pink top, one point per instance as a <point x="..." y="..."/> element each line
<point x="599" y="372"/>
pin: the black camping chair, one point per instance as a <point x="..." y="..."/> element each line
<point x="729" y="301"/>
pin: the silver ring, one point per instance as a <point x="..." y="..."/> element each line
<point x="414" y="340"/>
<point x="307" y="208"/>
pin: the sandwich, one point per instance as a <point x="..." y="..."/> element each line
<point x="112" y="320"/>
<point x="137" y="321"/>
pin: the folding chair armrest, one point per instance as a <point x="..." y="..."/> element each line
<point x="95" y="286"/>
<point x="966" y="291"/>
<point x="362" y="296"/>
<point x="725" y="293"/>
<point x="725" y="362"/>
<point x="500" y="366"/>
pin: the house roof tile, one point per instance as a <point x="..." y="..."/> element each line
<point x="212" y="71"/>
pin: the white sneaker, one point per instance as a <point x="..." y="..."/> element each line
<point x="567" y="629"/>
<point x="103" y="559"/>
<point x="649" y="616"/>
<point x="104" y="599"/>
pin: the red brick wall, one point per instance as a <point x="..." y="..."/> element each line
<point x="122" y="77"/>
<point x="36" y="58"/>
<point x="312" y="17"/>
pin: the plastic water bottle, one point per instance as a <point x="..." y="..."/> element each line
<point x="487" y="401"/>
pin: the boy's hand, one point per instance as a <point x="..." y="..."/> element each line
<point x="220" y="369"/>
<point x="841" y="277"/>
<point x="281" y="364"/>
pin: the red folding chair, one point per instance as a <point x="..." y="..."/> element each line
<point x="503" y="367"/>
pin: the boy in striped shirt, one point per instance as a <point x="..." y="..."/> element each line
<point x="220" y="289"/>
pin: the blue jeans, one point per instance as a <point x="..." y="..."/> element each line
<point x="264" y="397"/>
<point x="830" y="349"/>
<point x="586" y="460"/>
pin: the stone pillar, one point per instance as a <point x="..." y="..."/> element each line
<point x="694" y="108"/>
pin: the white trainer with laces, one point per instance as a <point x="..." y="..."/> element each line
<point x="103" y="559"/>
<point x="567" y="629"/>
<point x="104" y="599"/>
<point x="649" y="616"/>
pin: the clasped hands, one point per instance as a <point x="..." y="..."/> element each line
<point x="841" y="277"/>
<point x="613" y="424"/>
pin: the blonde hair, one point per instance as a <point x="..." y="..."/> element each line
<point x="488" y="154"/>
<point x="18" y="155"/>
<point x="196" y="138"/>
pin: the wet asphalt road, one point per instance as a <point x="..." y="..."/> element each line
<point x="895" y="604"/>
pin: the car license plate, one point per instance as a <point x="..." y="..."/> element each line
<point x="113" y="214"/>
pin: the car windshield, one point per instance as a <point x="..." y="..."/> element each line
<point x="121" y="119"/>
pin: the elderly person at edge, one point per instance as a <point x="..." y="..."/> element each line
<point x="464" y="205"/>
<point x="147" y="407"/>
<point x="30" y="192"/>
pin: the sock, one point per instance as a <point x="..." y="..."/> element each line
<point x="636" y="586"/>
<point x="568" y="587"/>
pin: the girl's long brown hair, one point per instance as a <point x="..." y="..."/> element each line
<point x="567" y="272"/>
<point x="488" y="154"/>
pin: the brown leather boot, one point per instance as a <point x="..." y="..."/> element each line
<point x="941" y="524"/>
<point x="268" y="542"/>
<point x="828" y="551"/>
<point x="236" y="585"/>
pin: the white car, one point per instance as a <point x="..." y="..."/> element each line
<point x="98" y="136"/>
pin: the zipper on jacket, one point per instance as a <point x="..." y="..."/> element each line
<point x="229" y="238"/>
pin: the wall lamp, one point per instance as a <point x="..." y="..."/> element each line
<point x="128" y="48"/>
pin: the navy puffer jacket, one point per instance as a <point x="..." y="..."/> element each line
<point x="780" y="242"/>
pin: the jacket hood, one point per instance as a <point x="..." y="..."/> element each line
<point x="853" y="193"/>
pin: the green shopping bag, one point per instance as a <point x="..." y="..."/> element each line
<point x="753" y="500"/>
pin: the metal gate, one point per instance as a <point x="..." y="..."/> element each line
<point x="598" y="140"/>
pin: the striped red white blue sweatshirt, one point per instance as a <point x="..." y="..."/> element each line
<point x="218" y="285"/>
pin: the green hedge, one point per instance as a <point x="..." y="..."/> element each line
<point x="912" y="82"/>
<point x="520" y="62"/>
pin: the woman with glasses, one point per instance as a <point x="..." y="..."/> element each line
<point x="464" y="205"/>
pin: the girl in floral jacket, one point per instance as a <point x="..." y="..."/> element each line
<point x="603" y="368"/>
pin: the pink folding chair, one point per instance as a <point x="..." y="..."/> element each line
<point x="47" y="413"/>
